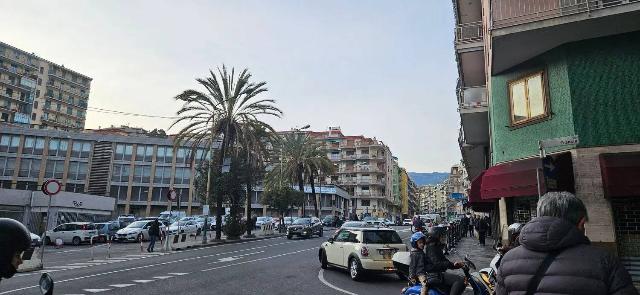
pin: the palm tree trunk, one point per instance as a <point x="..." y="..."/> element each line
<point x="249" y="183"/>
<point x="313" y="193"/>
<point x="301" y="187"/>
<point x="219" y="209"/>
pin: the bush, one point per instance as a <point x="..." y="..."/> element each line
<point x="234" y="228"/>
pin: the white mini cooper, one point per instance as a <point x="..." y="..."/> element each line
<point x="360" y="250"/>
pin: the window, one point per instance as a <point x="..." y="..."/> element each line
<point x="181" y="156"/>
<point x="366" y="203"/>
<point x="81" y="149"/>
<point x="182" y="176"/>
<point x="29" y="168"/>
<point x="527" y="98"/>
<point x="118" y="192"/>
<point x="7" y="166"/>
<point x="144" y="153"/>
<point x="159" y="194"/>
<point x="35" y="103"/>
<point x="69" y="111"/>
<point x="162" y="175"/>
<point x="164" y="154"/>
<point x="381" y="237"/>
<point x="123" y="152"/>
<point x="141" y="174"/>
<point x="33" y="117"/>
<point x="120" y="173"/>
<point x="27" y="185"/>
<point x="201" y="155"/>
<point x="74" y="187"/>
<point x="54" y="169"/>
<point x="58" y="147"/>
<point x="33" y="145"/>
<point x="41" y="70"/>
<point x="8" y="91"/>
<point x="139" y="193"/>
<point x="77" y="171"/>
<point x="9" y="143"/>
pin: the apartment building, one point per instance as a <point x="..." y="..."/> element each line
<point x="39" y="93"/>
<point x="364" y="169"/>
<point x="533" y="72"/>
<point x="136" y="170"/>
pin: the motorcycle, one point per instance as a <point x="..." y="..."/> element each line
<point x="488" y="274"/>
<point x="401" y="261"/>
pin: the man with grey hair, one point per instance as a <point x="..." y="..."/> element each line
<point x="555" y="257"/>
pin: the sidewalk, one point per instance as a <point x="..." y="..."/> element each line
<point x="480" y="255"/>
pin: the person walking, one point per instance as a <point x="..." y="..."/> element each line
<point x="154" y="233"/>
<point x="555" y="256"/>
<point x="472" y="223"/>
<point x="482" y="228"/>
<point x="487" y="220"/>
<point x="464" y="222"/>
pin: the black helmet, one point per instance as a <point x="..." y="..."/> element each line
<point x="14" y="239"/>
<point x="434" y="233"/>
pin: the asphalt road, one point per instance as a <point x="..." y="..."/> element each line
<point x="271" y="266"/>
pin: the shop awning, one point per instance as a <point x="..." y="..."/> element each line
<point x="474" y="191"/>
<point x="515" y="179"/>
<point x="620" y="174"/>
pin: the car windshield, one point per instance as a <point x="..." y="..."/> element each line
<point x="302" y="221"/>
<point x="180" y="223"/>
<point x="368" y="218"/>
<point x="137" y="224"/>
<point x="381" y="237"/>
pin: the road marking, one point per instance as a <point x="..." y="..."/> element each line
<point x="178" y="273"/>
<point x="259" y="259"/>
<point x="83" y="264"/>
<point x="162" y="277"/>
<point x="122" y="285"/>
<point x="143" y="281"/>
<point x="95" y="290"/>
<point x="321" y="278"/>
<point x="235" y="257"/>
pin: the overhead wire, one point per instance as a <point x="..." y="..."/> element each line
<point x="114" y="112"/>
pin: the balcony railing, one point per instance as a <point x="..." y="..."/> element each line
<point x="506" y="13"/>
<point x="348" y="157"/>
<point x="469" y="32"/>
<point x="472" y="97"/>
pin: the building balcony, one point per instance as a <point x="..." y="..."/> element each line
<point x="75" y="93"/>
<point x="474" y="156"/>
<point x="348" y="157"/>
<point x="79" y="105"/>
<point x="368" y="169"/>
<point x="472" y="99"/>
<point x="6" y="56"/>
<point x="469" y="35"/>
<point x="75" y="117"/>
<point x="523" y="29"/>
<point x="346" y="170"/>
<point x="16" y="99"/>
<point x="16" y="85"/>
<point x="55" y="75"/>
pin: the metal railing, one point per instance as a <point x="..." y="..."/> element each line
<point x="469" y="32"/>
<point x="472" y="97"/>
<point x="506" y="13"/>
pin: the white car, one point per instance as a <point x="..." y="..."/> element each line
<point x="263" y="220"/>
<point x="362" y="250"/>
<point x="73" y="232"/>
<point x="406" y="222"/>
<point x="185" y="227"/>
<point x="136" y="231"/>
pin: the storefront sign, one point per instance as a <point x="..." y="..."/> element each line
<point x="553" y="142"/>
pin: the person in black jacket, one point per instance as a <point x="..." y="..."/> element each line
<point x="482" y="228"/>
<point x="417" y="267"/>
<point x="154" y="233"/>
<point x="437" y="264"/>
<point x="578" y="267"/>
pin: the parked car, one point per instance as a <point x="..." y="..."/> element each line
<point x="328" y="220"/>
<point x="73" y="232"/>
<point x="125" y="220"/>
<point x="137" y="231"/>
<point x="289" y="220"/>
<point x="36" y="241"/>
<point x="305" y="227"/>
<point x="263" y="220"/>
<point x="213" y="222"/>
<point x="185" y="227"/>
<point x="362" y="250"/>
<point x="406" y="222"/>
<point x="107" y="230"/>
<point x="172" y="215"/>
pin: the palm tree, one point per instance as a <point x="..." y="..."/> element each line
<point x="317" y="163"/>
<point x="228" y="112"/>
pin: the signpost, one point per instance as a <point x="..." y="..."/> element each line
<point x="549" y="169"/>
<point x="50" y="188"/>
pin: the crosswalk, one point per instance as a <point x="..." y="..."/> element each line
<point x="130" y="284"/>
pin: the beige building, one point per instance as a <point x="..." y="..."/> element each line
<point x="38" y="93"/>
<point x="364" y="168"/>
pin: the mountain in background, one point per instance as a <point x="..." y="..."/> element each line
<point x="428" y="178"/>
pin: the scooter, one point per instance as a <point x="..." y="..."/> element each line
<point x="401" y="262"/>
<point x="488" y="274"/>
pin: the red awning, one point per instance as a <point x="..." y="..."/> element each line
<point x="515" y="179"/>
<point x="474" y="192"/>
<point x="620" y="174"/>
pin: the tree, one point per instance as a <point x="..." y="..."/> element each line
<point x="226" y="114"/>
<point x="316" y="164"/>
<point x="282" y="199"/>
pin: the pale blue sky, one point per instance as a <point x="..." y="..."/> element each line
<point x="383" y="69"/>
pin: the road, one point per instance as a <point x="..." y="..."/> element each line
<point x="270" y="266"/>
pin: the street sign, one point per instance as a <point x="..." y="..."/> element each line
<point x="51" y="187"/>
<point x="552" y="142"/>
<point x="171" y="195"/>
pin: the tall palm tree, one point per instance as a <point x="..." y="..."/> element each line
<point x="317" y="163"/>
<point x="227" y="113"/>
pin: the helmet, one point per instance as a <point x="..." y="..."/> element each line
<point x="514" y="231"/>
<point x="415" y="237"/>
<point x="434" y="233"/>
<point x="14" y="240"/>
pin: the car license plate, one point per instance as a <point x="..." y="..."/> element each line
<point x="386" y="253"/>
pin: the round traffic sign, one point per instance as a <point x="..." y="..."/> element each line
<point x="51" y="187"/>
<point x="171" y="195"/>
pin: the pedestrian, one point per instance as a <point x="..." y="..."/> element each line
<point x="555" y="256"/>
<point x="15" y="244"/>
<point x="154" y="233"/>
<point x="487" y="220"/>
<point x="472" y="221"/>
<point x="482" y="228"/>
<point x="464" y="222"/>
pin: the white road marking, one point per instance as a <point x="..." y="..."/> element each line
<point x="235" y="257"/>
<point x="178" y="273"/>
<point x="83" y="264"/>
<point x="95" y="290"/>
<point x="162" y="277"/>
<point x="321" y="278"/>
<point x="122" y="285"/>
<point x="259" y="259"/>
<point x="142" y="281"/>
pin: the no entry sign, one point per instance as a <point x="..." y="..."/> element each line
<point x="51" y="187"/>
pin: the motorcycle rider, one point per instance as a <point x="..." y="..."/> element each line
<point x="514" y="233"/>
<point x="14" y="240"/>
<point x="417" y="270"/>
<point x="418" y="224"/>
<point x="437" y="264"/>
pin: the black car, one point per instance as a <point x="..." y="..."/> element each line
<point x="328" y="220"/>
<point x="305" y="227"/>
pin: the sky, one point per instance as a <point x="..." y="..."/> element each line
<point x="383" y="69"/>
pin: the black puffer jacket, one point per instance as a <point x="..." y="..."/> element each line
<point x="579" y="269"/>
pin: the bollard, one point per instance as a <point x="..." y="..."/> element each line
<point x="109" y="247"/>
<point x="141" y="251"/>
<point x="91" y="244"/>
